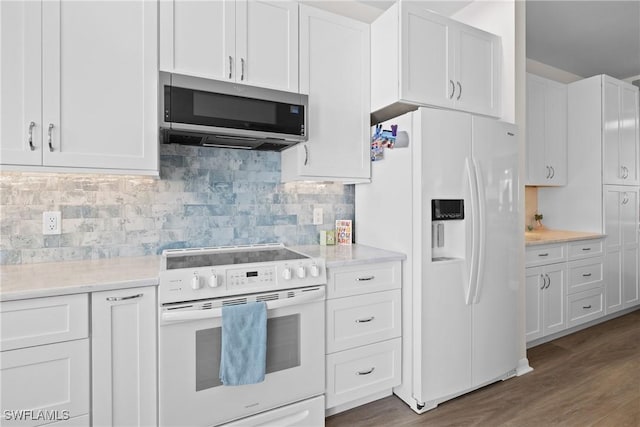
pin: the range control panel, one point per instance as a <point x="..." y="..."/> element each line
<point x="221" y="281"/>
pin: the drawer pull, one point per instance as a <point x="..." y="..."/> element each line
<point x="586" y="307"/>
<point x="123" y="298"/>
<point x="369" y="319"/>
<point x="586" y="249"/>
<point x="366" y="372"/>
<point x="586" y="275"/>
<point x="544" y="254"/>
<point x="364" y="279"/>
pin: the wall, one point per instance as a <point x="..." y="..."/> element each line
<point x="204" y="197"/>
<point x="547" y="71"/>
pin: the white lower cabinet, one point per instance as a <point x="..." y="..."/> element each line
<point x="567" y="292"/>
<point x="363" y="333"/>
<point x="124" y="369"/>
<point x="45" y="374"/>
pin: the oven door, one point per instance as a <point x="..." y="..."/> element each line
<point x="189" y="360"/>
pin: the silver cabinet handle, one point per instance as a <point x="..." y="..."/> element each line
<point x="548" y="172"/>
<point x="553" y="172"/>
<point x="586" y="275"/>
<point x="544" y="282"/>
<point x="30" y="134"/>
<point x="366" y="372"/>
<point x="548" y="281"/>
<point x="364" y="279"/>
<point x="626" y="172"/>
<point x="586" y="249"/>
<point x="586" y="307"/>
<point x="459" y="90"/>
<point x="625" y="198"/>
<point x="368" y="319"/>
<point x="241" y="68"/>
<point x="123" y="298"/>
<point x="453" y="89"/>
<point x="544" y="254"/>
<point x="49" y="134"/>
<point x="230" y="65"/>
<point x="306" y="155"/>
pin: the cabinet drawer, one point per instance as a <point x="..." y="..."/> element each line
<point x="585" y="306"/>
<point x="357" y="373"/>
<point x="31" y="322"/>
<point x="585" y="249"/>
<point x="585" y="274"/>
<point x="53" y="378"/>
<point x="546" y="254"/>
<point x="362" y="319"/>
<point x="360" y="279"/>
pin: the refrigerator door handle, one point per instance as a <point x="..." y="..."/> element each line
<point x="481" y="233"/>
<point x="473" y="270"/>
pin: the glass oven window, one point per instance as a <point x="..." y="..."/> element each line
<point x="283" y="350"/>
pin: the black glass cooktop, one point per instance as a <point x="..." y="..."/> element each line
<point x="231" y="258"/>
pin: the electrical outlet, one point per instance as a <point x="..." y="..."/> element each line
<point x="51" y="222"/>
<point x="317" y="216"/>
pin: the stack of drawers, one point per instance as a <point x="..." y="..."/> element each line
<point x="564" y="285"/>
<point x="363" y="332"/>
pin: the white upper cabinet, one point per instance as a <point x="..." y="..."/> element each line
<point x="86" y="75"/>
<point x="546" y="131"/>
<point x="431" y="60"/>
<point x="334" y="71"/>
<point x="244" y="41"/>
<point x="619" y="132"/>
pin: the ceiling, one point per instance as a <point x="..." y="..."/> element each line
<point x="585" y="37"/>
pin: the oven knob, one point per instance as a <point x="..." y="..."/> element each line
<point x="195" y="282"/>
<point x="314" y="270"/>
<point x="286" y="273"/>
<point x="301" y="272"/>
<point x="213" y="281"/>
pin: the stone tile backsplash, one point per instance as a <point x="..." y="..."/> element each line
<point x="204" y="197"/>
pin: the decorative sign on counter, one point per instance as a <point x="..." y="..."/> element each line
<point x="327" y="237"/>
<point x="343" y="231"/>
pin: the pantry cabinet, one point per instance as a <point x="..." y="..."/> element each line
<point x="427" y="59"/>
<point x="621" y="213"/>
<point x="619" y="132"/>
<point x="123" y="342"/>
<point x="334" y="72"/>
<point x="243" y="41"/>
<point x="546" y="131"/>
<point x="79" y="86"/>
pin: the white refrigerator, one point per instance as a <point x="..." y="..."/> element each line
<point x="461" y="276"/>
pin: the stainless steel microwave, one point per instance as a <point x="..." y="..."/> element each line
<point x="212" y="113"/>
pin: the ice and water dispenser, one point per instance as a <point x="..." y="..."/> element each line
<point x="447" y="229"/>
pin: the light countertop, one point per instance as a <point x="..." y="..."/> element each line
<point x="546" y="236"/>
<point x="74" y="277"/>
<point x="342" y="255"/>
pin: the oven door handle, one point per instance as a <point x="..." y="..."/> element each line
<point x="305" y="297"/>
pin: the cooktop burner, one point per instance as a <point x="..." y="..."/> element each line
<point x="232" y="258"/>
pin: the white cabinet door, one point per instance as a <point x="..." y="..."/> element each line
<point x="477" y="71"/>
<point x="52" y="377"/>
<point x="20" y="82"/>
<point x="334" y="71"/>
<point x="619" y="132"/>
<point x="534" y="282"/>
<point x="124" y="357"/>
<point x="267" y="44"/>
<point x="427" y="61"/>
<point x="100" y="84"/>
<point x="554" y="310"/>
<point x="198" y="38"/>
<point x="244" y="41"/>
<point x="546" y="132"/>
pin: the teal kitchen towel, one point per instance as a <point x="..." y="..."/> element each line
<point x="243" y="355"/>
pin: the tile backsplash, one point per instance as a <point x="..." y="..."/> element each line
<point x="204" y="197"/>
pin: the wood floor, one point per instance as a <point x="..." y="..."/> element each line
<point x="589" y="378"/>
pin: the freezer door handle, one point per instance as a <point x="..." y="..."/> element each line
<point x="481" y="233"/>
<point x="473" y="270"/>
